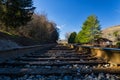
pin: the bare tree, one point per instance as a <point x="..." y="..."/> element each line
<point x="67" y="35"/>
<point x="40" y="28"/>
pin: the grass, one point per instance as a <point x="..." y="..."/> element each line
<point x="6" y="32"/>
<point x="10" y="34"/>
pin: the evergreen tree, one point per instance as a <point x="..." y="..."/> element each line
<point x="72" y="37"/>
<point x="14" y="13"/>
<point x="90" y="30"/>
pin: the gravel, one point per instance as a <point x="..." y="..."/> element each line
<point x="77" y="76"/>
<point x="8" y="44"/>
<point x="91" y="76"/>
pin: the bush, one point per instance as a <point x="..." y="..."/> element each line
<point x="118" y="44"/>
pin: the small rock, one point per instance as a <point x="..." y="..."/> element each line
<point x="48" y="67"/>
<point x="28" y="66"/>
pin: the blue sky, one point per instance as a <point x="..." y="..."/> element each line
<point x="69" y="15"/>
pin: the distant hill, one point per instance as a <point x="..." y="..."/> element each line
<point x="108" y="32"/>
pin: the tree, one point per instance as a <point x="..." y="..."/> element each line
<point x="72" y="37"/>
<point x="67" y="35"/>
<point x="53" y="31"/>
<point x="90" y="30"/>
<point x="117" y="35"/>
<point x="40" y="29"/>
<point x="14" y="13"/>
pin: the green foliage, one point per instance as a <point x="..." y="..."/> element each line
<point x="14" y="13"/>
<point x="90" y="30"/>
<point x="72" y="37"/>
<point x="6" y="32"/>
<point x="117" y="35"/>
<point x="82" y="37"/>
<point x="16" y="17"/>
<point x="39" y="29"/>
<point x="118" y="44"/>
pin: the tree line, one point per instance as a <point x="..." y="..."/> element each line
<point x="90" y="31"/>
<point x="18" y="17"/>
<point x="40" y="29"/>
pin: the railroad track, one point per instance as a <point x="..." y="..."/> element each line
<point x="58" y="61"/>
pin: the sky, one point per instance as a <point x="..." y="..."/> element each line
<point x="69" y="15"/>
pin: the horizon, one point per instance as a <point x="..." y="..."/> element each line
<point x="69" y="15"/>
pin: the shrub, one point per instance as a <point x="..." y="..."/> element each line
<point x="118" y="44"/>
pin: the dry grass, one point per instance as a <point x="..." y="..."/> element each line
<point x="108" y="33"/>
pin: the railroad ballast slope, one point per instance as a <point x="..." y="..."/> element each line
<point x="7" y="42"/>
<point x="11" y="41"/>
